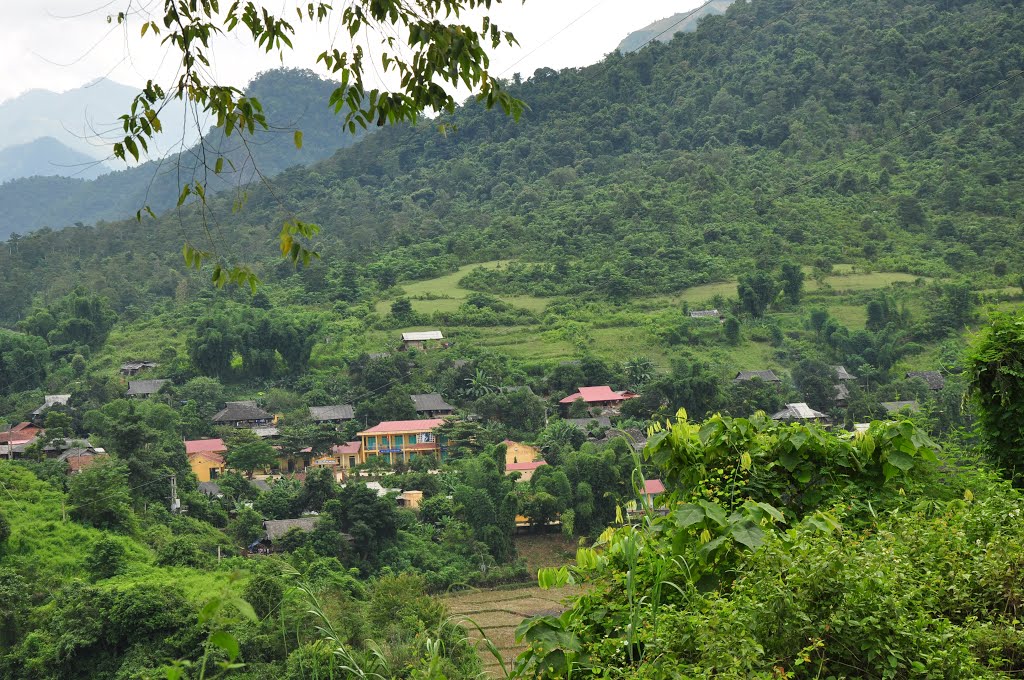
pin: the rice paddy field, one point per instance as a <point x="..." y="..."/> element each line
<point x="497" y="613"/>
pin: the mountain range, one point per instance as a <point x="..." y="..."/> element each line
<point x="665" y="29"/>
<point x="886" y="134"/>
<point x="293" y="99"/>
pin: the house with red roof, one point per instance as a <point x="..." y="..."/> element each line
<point x="14" y="440"/>
<point x="600" y="396"/>
<point x="525" y="470"/>
<point x="193" y="446"/>
<point x="399" y="441"/>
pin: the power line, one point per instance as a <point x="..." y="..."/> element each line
<point x="685" y="17"/>
<point x="553" y="36"/>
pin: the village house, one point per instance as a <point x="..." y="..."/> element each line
<point x="600" y="396"/>
<point x="78" y="459"/>
<point x="400" y="441"/>
<point x="525" y="469"/>
<point x="334" y="415"/>
<point x="275" y="529"/>
<point x="800" y="411"/>
<point x="347" y="454"/>
<point x="764" y="376"/>
<point x="58" y="447"/>
<point x="145" y="388"/>
<point x="705" y="314"/>
<point x="431" y="405"/>
<point x="243" y="414"/>
<point x="933" y="379"/>
<point x="652" y="489"/>
<point x="206" y="457"/>
<point x="420" y="339"/>
<point x="49" y="401"/>
<point x="14" y="439"/>
<point x="130" y="368"/>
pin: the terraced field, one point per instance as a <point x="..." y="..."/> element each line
<point x="498" y="612"/>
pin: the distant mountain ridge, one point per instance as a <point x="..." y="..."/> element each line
<point x="665" y="29"/>
<point x="82" y="119"/>
<point x="47" y="156"/>
<point x="292" y="99"/>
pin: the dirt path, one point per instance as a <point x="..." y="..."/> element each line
<point x="498" y="612"/>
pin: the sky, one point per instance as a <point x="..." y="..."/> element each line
<point x="63" y="44"/>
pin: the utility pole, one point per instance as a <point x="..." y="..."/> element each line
<point x="175" y="503"/>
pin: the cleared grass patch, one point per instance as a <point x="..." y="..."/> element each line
<point x="446" y="295"/>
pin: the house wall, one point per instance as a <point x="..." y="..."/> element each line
<point x="205" y="469"/>
<point x="397" y="447"/>
<point x="520" y="453"/>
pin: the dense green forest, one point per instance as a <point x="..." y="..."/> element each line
<point x="841" y="185"/>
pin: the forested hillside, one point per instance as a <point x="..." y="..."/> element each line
<point x="292" y="99"/>
<point x="887" y="134"/>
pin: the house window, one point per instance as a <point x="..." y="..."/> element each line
<point x="214" y="472"/>
<point x="371" y="443"/>
<point x="426" y="438"/>
<point x="351" y="461"/>
<point x="384" y="442"/>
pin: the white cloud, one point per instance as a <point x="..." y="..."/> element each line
<point x="62" y="44"/>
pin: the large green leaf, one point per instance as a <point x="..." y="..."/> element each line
<point x="689" y="514"/>
<point x="901" y="460"/>
<point x="715" y="512"/>
<point x="748" y="533"/>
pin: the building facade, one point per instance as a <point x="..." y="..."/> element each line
<point x="399" y="441"/>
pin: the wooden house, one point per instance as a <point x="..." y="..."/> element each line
<point x="334" y="415"/>
<point x="764" y="376"/>
<point x="431" y="405"/>
<point x="130" y="368"/>
<point x="800" y="411"/>
<point x="145" y="388"/>
<point x="242" y="414"/>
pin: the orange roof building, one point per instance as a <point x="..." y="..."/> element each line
<point x="399" y="441"/>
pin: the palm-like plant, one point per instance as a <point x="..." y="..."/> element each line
<point x="639" y="371"/>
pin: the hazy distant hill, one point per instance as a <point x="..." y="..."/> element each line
<point x="664" y="29"/>
<point x="46" y="157"/>
<point x="83" y="119"/>
<point x="292" y="99"/>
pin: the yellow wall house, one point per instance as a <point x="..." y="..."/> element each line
<point x="206" y="456"/>
<point x="399" y="441"/>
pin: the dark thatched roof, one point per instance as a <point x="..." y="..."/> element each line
<point x="766" y="376"/>
<point x="843" y="374"/>
<point x="430" y="402"/>
<point x="276" y="528"/>
<point x="240" y="410"/>
<point x="327" y="413"/>
<point x="145" y="387"/>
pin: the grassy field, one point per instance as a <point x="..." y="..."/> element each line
<point x="443" y="293"/>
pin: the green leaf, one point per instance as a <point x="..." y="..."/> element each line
<point x="790" y="459"/>
<point x="714" y="512"/>
<point x="298" y="139"/>
<point x="689" y="514"/>
<point x="773" y="511"/>
<point x="901" y="460"/>
<point x="748" y="534"/>
<point x="225" y="641"/>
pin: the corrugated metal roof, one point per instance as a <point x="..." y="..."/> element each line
<point x="422" y="335"/>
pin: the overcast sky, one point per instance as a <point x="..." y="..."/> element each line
<point x="62" y="44"/>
